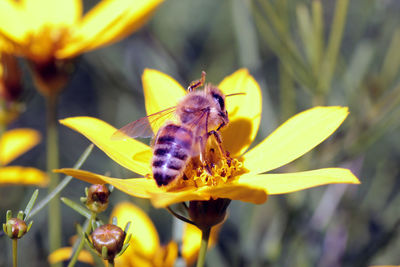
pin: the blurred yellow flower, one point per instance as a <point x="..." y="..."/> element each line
<point x="14" y="143"/>
<point x="64" y="253"/>
<point x="145" y="248"/>
<point x="43" y="30"/>
<point x="244" y="179"/>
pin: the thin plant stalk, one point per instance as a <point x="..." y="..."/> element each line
<point x="62" y="184"/>
<point x="81" y="241"/>
<point x="54" y="217"/>
<point x="205" y="236"/>
<point x="111" y="263"/>
<point x="15" y="251"/>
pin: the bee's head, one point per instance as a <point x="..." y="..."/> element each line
<point x="218" y="114"/>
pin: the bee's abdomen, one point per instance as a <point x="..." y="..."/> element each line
<point x="171" y="153"/>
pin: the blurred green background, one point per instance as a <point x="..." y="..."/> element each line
<point x="303" y="54"/>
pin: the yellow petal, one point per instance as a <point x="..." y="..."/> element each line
<point x="16" y="175"/>
<point x="16" y="142"/>
<point x="108" y="21"/>
<point x="169" y="256"/>
<point x="144" y="234"/>
<point x="129" y="153"/>
<point x="147" y="188"/>
<point x="13" y="24"/>
<point x="160" y="92"/>
<point x="138" y="187"/>
<point x="283" y="183"/>
<point x="231" y="191"/>
<point x="244" y="111"/>
<point x="49" y="13"/>
<point x="63" y="254"/>
<point x="294" y="138"/>
<point x="192" y="239"/>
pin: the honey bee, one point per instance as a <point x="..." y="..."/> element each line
<point x="200" y="114"/>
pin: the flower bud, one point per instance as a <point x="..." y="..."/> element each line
<point x="10" y="88"/>
<point x="110" y="236"/>
<point x="51" y="76"/>
<point x="10" y="78"/>
<point x="15" y="228"/>
<point x="206" y="214"/>
<point x="97" y="198"/>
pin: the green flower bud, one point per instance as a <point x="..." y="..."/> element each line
<point x="15" y="228"/>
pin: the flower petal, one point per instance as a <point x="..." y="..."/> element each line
<point x="13" y="24"/>
<point x="231" y="191"/>
<point x="46" y="13"/>
<point x="147" y="188"/>
<point x="108" y="21"/>
<point x="294" y="138"/>
<point x="63" y="254"/>
<point x="160" y="92"/>
<point x="16" y="142"/>
<point x="244" y="111"/>
<point x="129" y="152"/>
<point x="16" y="175"/>
<point x="282" y="183"/>
<point x="138" y="187"/>
<point x="144" y="234"/>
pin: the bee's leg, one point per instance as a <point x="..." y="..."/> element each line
<point x="203" y="158"/>
<point x="193" y="85"/>
<point x="217" y="136"/>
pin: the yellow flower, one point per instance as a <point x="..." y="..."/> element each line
<point x="245" y="178"/>
<point x="64" y="253"/>
<point x="14" y="143"/>
<point x="45" y="29"/>
<point x="145" y="248"/>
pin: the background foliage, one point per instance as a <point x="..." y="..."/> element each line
<point x="303" y="53"/>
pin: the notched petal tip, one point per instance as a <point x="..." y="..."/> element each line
<point x="295" y="137"/>
<point x="283" y="183"/>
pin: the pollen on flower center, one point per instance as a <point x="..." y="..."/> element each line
<point x="225" y="171"/>
<point x="196" y="175"/>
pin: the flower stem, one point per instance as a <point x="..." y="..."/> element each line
<point x="15" y="250"/>
<point x="81" y="240"/>
<point x="205" y="236"/>
<point x="111" y="263"/>
<point x="54" y="219"/>
<point x="62" y="184"/>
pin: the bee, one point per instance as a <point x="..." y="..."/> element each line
<point x="200" y="114"/>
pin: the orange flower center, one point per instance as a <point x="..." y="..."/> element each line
<point x="42" y="44"/>
<point x="197" y="175"/>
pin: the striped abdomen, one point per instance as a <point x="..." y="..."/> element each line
<point x="171" y="152"/>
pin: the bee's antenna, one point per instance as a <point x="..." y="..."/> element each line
<point x="193" y="85"/>
<point x="235" y="94"/>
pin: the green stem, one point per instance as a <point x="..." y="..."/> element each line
<point x="81" y="240"/>
<point x="111" y="263"/>
<point x="54" y="217"/>
<point x="180" y="217"/>
<point x="62" y="184"/>
<point x="15" y="250"/>
<point x="205" y="236"/>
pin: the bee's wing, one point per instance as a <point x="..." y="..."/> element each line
<point x="199" y="124"/>
<point x="143" y="126"/>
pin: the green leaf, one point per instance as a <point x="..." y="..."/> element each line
<point x="78" y="208"/>
<point x="8" y="215"/>
<point x="31" y="202"/>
